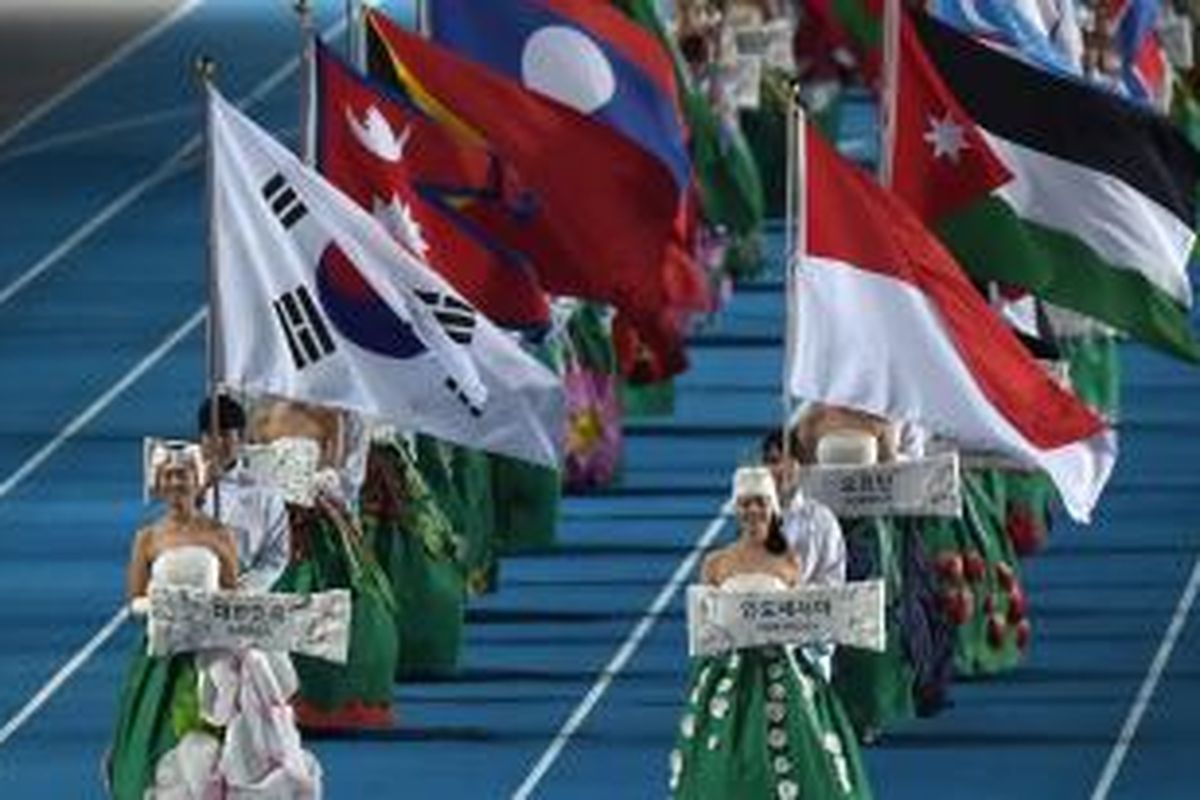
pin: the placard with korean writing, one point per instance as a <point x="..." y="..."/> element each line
<point x="184" y="620"/>
<point x="851" y="615"/>
<point x="288" y="464"/>
<point x="771" y="42"/>
<point x="927" y="487"/>
<point x="744" y="78"/>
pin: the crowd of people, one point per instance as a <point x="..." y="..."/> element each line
<point x="411" y="526"/>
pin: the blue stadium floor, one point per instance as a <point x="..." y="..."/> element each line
<point x="101" y="282"/>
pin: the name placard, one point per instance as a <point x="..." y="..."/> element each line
<point x="288" y="464"/>
<point x="851" y="614"/>
<point x="183" y="620"/>
<point x="771" y="42"/>
<point x="745" y="80"/>
<point x="928" y="487"/>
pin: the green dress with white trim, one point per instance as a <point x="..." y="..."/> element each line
<point x="761" y="723"/>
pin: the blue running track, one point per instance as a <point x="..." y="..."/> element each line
<point x="101" y="342"/>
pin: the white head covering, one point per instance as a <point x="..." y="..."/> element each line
<point x="756" y="482"/>
<point x="159" y="453"/>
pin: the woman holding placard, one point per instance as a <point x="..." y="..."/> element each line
<point x="762" y="722"/>
<point x="329" y="552"/>
<point x="185" y="727"/>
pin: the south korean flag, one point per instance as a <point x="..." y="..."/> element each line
<point x="314" y="300"/>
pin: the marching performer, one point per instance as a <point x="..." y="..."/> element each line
<point x="877" y="688"/>
<point x="762" y="722"/>
<point x="811" y="529"/>
<point x="912" y="676"/>
<point x="416" y="545"/>
<point x="328" y="552"/>
<point x="184" y="728"/>
<point x="812" y="533"/>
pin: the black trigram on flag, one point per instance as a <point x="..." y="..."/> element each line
<point x="307" y="335"/>
<point x="474" y="410"/>
<point x="458" y="321"/>
<point x="456" y="317"/>
<point x="284" y="202"/>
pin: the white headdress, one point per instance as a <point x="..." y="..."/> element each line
<point x="159" y="453"/>
<point x="756" y="482"/>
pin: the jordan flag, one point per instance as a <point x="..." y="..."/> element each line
<point x="942" y="163"/>
<point x="1099" y="211"/>
<point x="886" y="322"/>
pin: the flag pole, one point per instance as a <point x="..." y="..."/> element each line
<point x="424" y="24"/>
<point x="351" y="10"/>
<point x="303" y="10"/>
<point x="206" y="70"/>
<point x="795" y="244"/>
<point x="889" y="90"/>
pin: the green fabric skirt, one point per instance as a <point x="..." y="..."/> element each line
<point x="876" y="688"/>
<point x="1028" y="497"/>
<point x="980" y="594"/>
<point x="461" y="482"/>
<point x="526" y="512"/>
<point x="357" y="694"/>
<point x="762" y="724"/>
<point x="415" y="545"/>
<point x="640" y="400"/>
<point x="159" y="705"/>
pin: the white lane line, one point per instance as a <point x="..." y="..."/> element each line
<point x="289" y="135"/>
<point x="131" y="195"/>
<point x="117" y="56"/>
<point x="101" y="131"/>
<point x="91" y="412"/>
<point x="620" y="659"/>
<point x="64" y="674"/>
<point x="1146" y="693"/>
<point x="101" y="403"/>
<point x="67" y="670"/>
<point x="102" y="218"/>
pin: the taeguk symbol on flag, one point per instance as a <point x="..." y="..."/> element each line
<point x="356" y="311"/>
<point x="359" y="314"/>
<point x="583" y="54"/>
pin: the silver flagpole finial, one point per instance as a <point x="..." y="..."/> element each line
<point x="206" y="68"/>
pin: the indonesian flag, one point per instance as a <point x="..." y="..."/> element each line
<point x="886" y="322"/>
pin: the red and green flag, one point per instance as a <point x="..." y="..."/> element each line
<point x="1048" y="184"/>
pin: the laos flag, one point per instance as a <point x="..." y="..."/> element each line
<point x="608" y="206"/>
<point x="582" y="53"/>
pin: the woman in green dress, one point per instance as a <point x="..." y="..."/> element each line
<point x="762" y="722"/>
<point x="415" y="544"/>
<point x="980" y="578"/>
<point x="173" y="739"/>
<point x="160" y="698"/>
<point x="329" y="552"/>
<point x="878" y="689"/>
<point x="461" y="481"/>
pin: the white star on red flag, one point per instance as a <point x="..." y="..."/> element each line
<point x="947" y="137"/>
